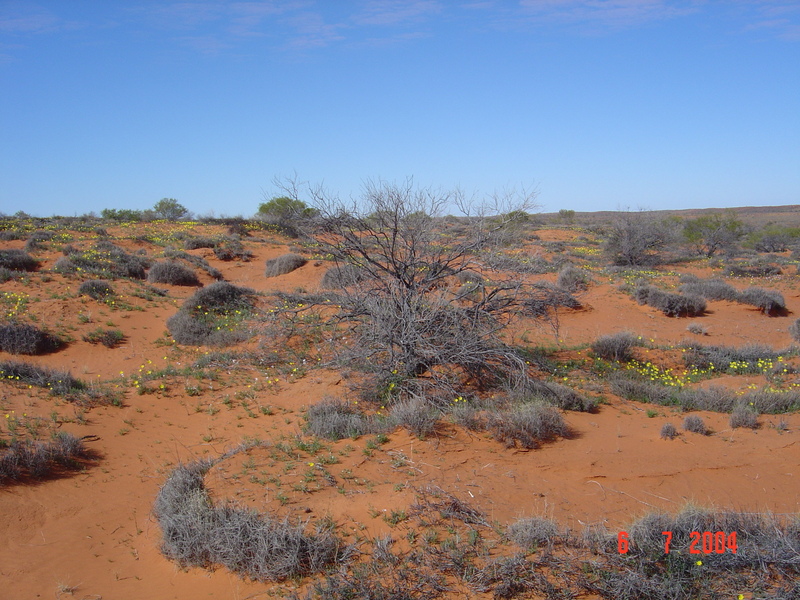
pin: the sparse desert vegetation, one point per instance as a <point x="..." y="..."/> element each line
<point x="425" y="406"/>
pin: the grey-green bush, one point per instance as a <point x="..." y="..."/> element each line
<point x="527" y="425"/>
<point x="695" y="424"/>
<point x="17" y="338"/>
<point x="283" y="264"/>
<point x="668" y="431"/>
<point x="616" y="346"/>
<point x="17" y="260"/>
<point x="97" y="289"/>
<point x="172" y="272"/>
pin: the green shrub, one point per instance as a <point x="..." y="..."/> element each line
<point x="173" y="273"/>
<point x="17" y="338"/>
<point x="283" y="264"/>
<point x="110" y="338"/>
<point x="104" y="260"/>
<point x="213" y="316"/>
<point x="58" y="382"/>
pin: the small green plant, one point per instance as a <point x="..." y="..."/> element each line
<point x="110" y="338"/>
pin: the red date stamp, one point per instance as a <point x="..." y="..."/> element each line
<point x="705" y="542"/>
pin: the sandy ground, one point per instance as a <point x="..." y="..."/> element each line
<point x="91" y="534"/>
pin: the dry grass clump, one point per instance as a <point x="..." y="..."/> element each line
<point x="195" y="532"/>
<point x="17" y="338"/>
<point x="668" y="431"/>
<point x="794" y="330"/>
<point x="195" y="242"/>
<point x="416" y="415"/>
<point x="110" y="338"/>
<point x="335" y="419"/>
<point x="283" y="264"/>
<point x="616" y="346"/>
<point x="58" y="382"/>
<point x="533" y="532"/>
<point x="232" y="248"/>
<point x="744" y="415"/>
<point x="172" y="272"/>
<point x="527" y="425"/>
<point x="197" y="261"/>
<point x="695" y="424"/>
<point x="697" y="329"/>
<point x="98" y="289"/>
<point x="17" y="260"/>
<point x="710" y="289"/>
<point x="37" y="459"/>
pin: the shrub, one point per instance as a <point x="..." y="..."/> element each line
<point x="104" y="260"/>
<point x="544" y="298"/>
<point x="745" y="359"/>
<point x="758" y="270"/>
<point x="636" y="239"/>
<point x="27" y="339"/>
<point x="672" y="305"/>
<point x="172" y="272"/>
<point x="197" y="533"/>
<point x="17" y="260"/>
<point x="283" y="264"/>
<point x="770" y="302"/>
<point x="744" y="416"/>
<point x="695" y="424"/>
<point x="38" y="459"/>
<point x="668" y="431"/>
<point x="533" y="532"/>
<point x="416" y="415"/>
<point x="108" y="337"/>
<point x="231" y="249"/>
<point x="572" y="279"/>
<point x="527" y="425"/>
<point x="169" y="209"/>
<point x="341" y="276"/>
<point x="616" y="347"/>
<point x="193" y="243"/>
<point x="794" y="330"/>
<point x="697" y="329"/>
<point x="335" y="419"/>
<point x="711" y="289"/>
<point x="197" y="261"/>
<point x="34" y="242"/>
<point x="97" y="289"/>
<point x="58" y="382"/>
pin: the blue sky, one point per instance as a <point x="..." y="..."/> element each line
<point x="597" y="104"/>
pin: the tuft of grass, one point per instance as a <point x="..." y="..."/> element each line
<point x="37" y="459"/>
<point x="335" y="419"/>
<point x="672" y="305"/>
<point x="527" y="425"/>
<point x="283" y="264"/>
<point x="744" y="415"/>
<point x="668" y="431"/>
<point x="533" y="532"/>
<point x="110" y="338"/>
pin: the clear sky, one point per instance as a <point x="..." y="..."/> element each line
<point x="598" y="104"/>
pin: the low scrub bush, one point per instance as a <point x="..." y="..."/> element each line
<point x="38" y="459"/>
<point x="668" y="431"/>
<point x="283" y="264"/>
<point x="335" y="419"/>
<point x="616" y="347"/>
<point x="554" y="394"/>
<point x="710" y="289"/>
<point x="697" y="329"/>
<point x="572" y="279"/>
<point x="770" y="302"/>
<point x="17" y="260"/>
<point x="744" y="415"/>
<point x="544" y="298"/>
<point x="17" y="338"/>
<point x="172" y="272"/>
<point x="750" y="358"/>
<point x="193" y="243"/>
<point x="197" y="261"/>
<point x="672" y="305"/>
<point x="533" y="532"/>
<point x="98" y="289"/>
<point x="416" y="415"/>
<point x="213" y="316"/>
<point x="34" y="242"/>
<point x="104" y="260"/>
<point x="232" y="249"/>
<point x="695" y="424"/>
<point x="794" y="330"/>
<point x="110" y="338"/>
<point x="527" y="425"/>
<point x="195" y="532"/>
<point x="58" y="382"/>
<point x="753" y="270"/>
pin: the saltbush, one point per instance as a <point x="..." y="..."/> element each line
<point x="17" y="338"/>
<point x="172" y="272"/>
<point x="283" y="264"/>
<point x="17" y="260"/>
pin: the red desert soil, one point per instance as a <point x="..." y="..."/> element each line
<point x="91" y="534"/>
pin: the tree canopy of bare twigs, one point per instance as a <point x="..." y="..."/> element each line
<point x="420" y="323"/>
